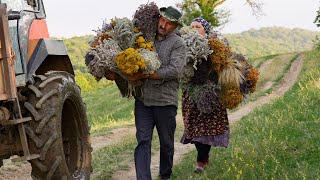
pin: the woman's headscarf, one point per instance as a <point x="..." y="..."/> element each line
<point x="204" y="23"/>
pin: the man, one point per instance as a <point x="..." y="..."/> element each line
<point x="157" y="106"/>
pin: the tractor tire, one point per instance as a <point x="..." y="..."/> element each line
<point x="59" y="130"/>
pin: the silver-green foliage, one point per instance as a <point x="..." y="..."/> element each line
<point x="151" y="60"/>
<point x="123" y="33"/>
<point x="103" y="58"/>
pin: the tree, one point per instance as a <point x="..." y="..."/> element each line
<point x="207" y="9"/>
<point x="255" y="6"/>
<point x="317" y="19"/>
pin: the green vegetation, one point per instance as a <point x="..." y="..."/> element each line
<point x="77" y="48"/>
<point x="113" y="158"/>
<point x="206" y="9"/>
<point x="277" y="141"/>
<point x="106" y="109"/>
<point x="271" y="40"/>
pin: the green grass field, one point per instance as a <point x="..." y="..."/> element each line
<point x="277" y="141"/>
<point x="106" y="109"/>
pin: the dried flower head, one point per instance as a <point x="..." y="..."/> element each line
<point x="130" y="61"/>
<point x="101" y="58"/>
<point x="197" y="45"/>
<point x="187" y="73"/>
<point x="204" y="97"/>
<point x="146" y="20"/>
<point x="230" y="97"/>
<point x="241" y="59"/>
<point x="123" y="33"/>
<point x="252" y="77"/>
<point x="141" y="43"/>
<point x="231" y="74"/>
<point x="220" y="55"/>
<point x="99" y="39"/>
<point x="151" y="61"/>
<point x="218" y="35"/>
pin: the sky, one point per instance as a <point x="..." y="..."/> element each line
<point x="76" y="18"/>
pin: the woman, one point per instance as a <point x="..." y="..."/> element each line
<point x="204" y="129"/>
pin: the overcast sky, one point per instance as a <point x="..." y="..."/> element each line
<point x="67" y="18"/>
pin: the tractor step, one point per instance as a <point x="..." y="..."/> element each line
<point x="16" y="121"/>
<point x="26" y="158"/>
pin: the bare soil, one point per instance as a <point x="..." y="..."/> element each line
<point x="22" y="170"/>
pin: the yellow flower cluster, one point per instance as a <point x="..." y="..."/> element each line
<point x="252" y="76"/>
<point x="230" y="97"/>
<point x="130" y="61"/>
<point x="220" y="54"/>
<point x="136" y="30"/>
<point x="141" y="43"/>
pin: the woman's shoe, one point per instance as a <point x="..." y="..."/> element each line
<point x="199" y="167"/>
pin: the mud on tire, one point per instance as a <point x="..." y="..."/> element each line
<point x="59" y="131"/>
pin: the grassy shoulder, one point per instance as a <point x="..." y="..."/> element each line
<point x="277" y="141"/>
<point x="106" y="109"/>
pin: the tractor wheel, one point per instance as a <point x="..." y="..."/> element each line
<point x="59" y="130"/>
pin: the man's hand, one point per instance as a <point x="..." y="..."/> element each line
<point x="110" y="75"/>
<point x="137" y="76"/>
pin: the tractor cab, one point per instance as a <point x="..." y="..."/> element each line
<point x="21" y="15"/>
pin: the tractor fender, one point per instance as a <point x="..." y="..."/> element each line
<point x="49" y="55"/>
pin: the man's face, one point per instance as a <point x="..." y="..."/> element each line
<point x="165" y="26"/>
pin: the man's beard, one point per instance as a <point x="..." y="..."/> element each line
<point x="162" y="32"/>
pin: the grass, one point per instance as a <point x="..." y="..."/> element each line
<point x="113" y="158"/>
<point x="277" y="141"/>
<point x="275" y="69"/>
<point x="257" y="62"/>
<point x="273" y="73"/>
<point x="106" y="109"/>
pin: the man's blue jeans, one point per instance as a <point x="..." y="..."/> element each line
<point x="146" y="118"/>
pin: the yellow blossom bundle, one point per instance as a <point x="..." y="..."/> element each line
<point x="129" y="61"/>
<point x="252" y="76"/>
<point x="231" y="74"/>
<point x="220" y="54"/>
<point x="141" y="43"/>
<point x="230" y="96"/>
